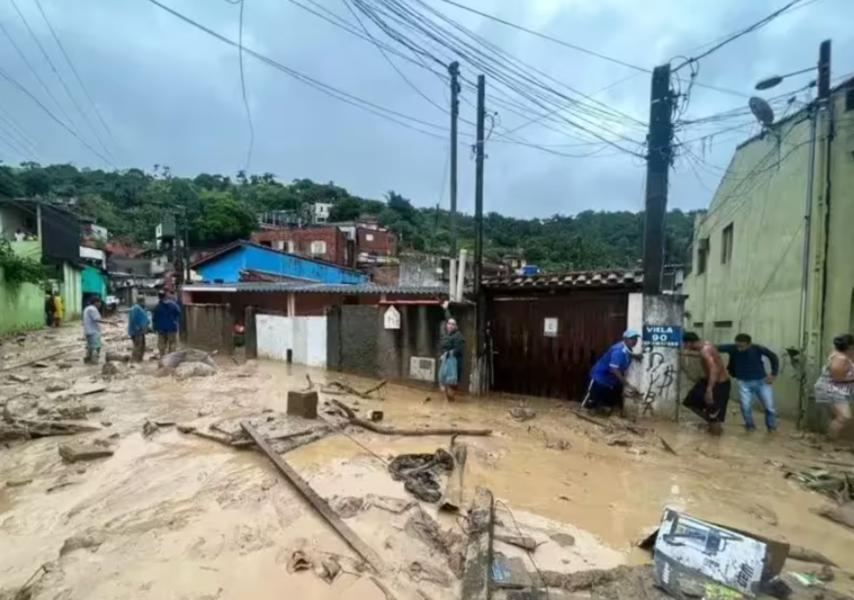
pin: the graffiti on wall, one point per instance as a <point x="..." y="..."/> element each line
<point x="660" y="376"/>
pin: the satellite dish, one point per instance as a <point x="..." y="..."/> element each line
<point x="762" y="111"/>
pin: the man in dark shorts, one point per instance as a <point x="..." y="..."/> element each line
<point x="709" y="396"/>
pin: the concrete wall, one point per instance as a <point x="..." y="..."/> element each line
<point x="21" y="307"/>
<point x="209" y="327"/>
<point x="227" y="267"/>
<point x="358" y="341"/>
<point x="302" y="338"/>
<point x="756" y="290"/>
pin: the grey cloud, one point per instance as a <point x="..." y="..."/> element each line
<point x="172" y="94"/>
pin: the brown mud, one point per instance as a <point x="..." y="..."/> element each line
<point x="173" y="516"/>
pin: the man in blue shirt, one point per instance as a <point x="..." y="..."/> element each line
<point x="167" y="318"/>
<point x="137" y="328"/>
<point x="745" y="364"/>
<point x="608" y="376"/>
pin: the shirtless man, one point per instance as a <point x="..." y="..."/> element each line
<point x="709" y="396"/>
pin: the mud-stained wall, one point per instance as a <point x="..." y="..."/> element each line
<point x="210" y="327"/>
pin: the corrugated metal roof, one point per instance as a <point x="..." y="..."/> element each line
<point x="576" y="279"/>
<point x="317" y="288"/>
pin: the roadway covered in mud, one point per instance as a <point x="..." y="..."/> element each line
<point x="174" y="501"/>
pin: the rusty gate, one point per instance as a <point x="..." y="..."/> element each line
<point x="546" y="345"/>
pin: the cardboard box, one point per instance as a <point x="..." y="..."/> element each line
<point x="691" y="556"/>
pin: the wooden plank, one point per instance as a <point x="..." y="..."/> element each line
<point x="481" y="527"/>
<point x="318" y="503"/>
<point x="452" y="499"/>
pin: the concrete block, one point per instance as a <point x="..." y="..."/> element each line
<point x="303" y="404"/>
<point x="77" y="452"/>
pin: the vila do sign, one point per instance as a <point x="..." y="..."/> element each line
<point x="668" y="336"/>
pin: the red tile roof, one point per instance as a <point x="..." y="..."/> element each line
<point x="574" y="279"/>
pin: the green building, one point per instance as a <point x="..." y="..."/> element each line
<point x="772" y="259"/>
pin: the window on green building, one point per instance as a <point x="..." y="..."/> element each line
<point x="726" y="244"/>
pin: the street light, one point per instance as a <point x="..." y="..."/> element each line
<point x="775" y="80"/>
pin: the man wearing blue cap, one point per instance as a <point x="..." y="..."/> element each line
<point x="608" y="376"/>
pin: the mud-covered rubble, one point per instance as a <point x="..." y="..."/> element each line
<point x="284" y="432"/>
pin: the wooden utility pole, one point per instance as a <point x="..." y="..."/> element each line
<point x="478" y="217"/>
<point x="454" y="70"/>
<point x="657" y="171"/>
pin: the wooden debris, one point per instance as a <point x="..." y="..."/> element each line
<point x="43" y="428"/>
<point x="524" y="542"/>
<point x="606" y="424"/>
<point x="667" y="446"/>
<point x="844" y="515"/>
<point x="811" y="556"/>
<point x="71" y="453"/>
<point x="36" y="360"/>
<point x="384" y="430"/>
<point x="478" y="569"/>
<point x="318" y="503"/>
<point x="452" y="498"/>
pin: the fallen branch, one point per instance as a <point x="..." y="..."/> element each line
<point x="384" y="430"/>
<point x="318" y="503"/>
<point x="42" y="428"/>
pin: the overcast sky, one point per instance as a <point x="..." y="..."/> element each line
<point x="171" y="94"/>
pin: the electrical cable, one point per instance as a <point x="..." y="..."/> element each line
<point x="325" y="88"/>
<point x="49" y="113"/>
<point x="242" y="4"/>
<point x="76" y="74"/>
<point x="731" y="38"/>
<point x="391" y="63"/>
<point x="575" y="47"/>
<point x="63" y="83"/>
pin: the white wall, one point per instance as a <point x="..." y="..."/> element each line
<point x="305" y="337"/>
<point x="661" y="368"/>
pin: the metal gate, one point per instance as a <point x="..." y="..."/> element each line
<point x="529" y="360"/>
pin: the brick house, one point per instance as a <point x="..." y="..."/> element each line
<point x="323" y="243"/>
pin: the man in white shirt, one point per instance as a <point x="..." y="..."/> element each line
<point x="20" y="236"/>
<point x="92" y="330"/>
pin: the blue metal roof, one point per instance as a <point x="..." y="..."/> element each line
<point x="317" y="288"/>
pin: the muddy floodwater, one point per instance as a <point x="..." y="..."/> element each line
<point x="175" y="516"/>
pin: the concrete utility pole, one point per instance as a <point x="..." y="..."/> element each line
<point x="478" y="215"/>
<point x="454" y="70"/>
<point x="657" y="171"/>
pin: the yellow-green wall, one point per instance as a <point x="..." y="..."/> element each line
<point x="21" y="306"/>
<point x="763" y="196"/>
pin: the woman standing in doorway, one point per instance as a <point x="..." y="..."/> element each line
<point x="453" y="351"/>
<point x="835" y="385"/>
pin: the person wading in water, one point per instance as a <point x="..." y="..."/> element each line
<point x="709" y="396"/>
<point x="451" y="362"/>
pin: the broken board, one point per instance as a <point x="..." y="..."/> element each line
<point x="318" y="503"/>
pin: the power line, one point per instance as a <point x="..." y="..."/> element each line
<point x="749" y="29"/>
<point x="77" y="75"/>
<point x="56" y="119"/>
<point x="575" y="47"/>
<point x="35" y="73"/>
<point x="389" y="61"/>
<point x="367" y="105"/>
<point x="61" y="81"/>
<point x="242" y="4"/>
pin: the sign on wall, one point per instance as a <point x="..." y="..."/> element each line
<point x="422" y="368"/>
<point x="662" y="336"/>
<point x="391" y="319"/>
<point x="550" y="327"/>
